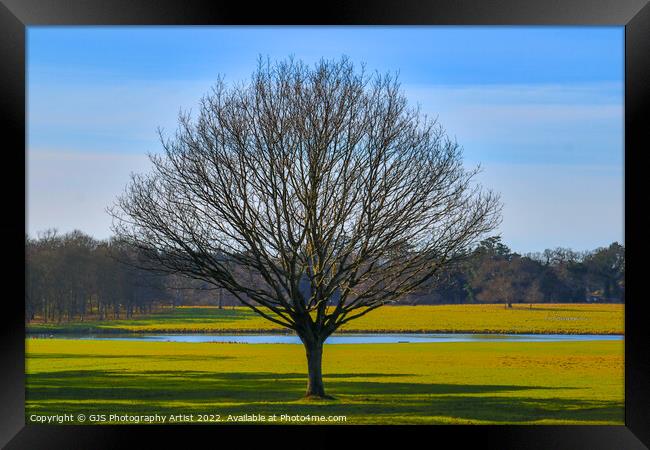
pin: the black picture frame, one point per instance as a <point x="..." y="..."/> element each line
<point x="16" y="15"/>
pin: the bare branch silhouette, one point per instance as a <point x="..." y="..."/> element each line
<point x="319" y="183"/>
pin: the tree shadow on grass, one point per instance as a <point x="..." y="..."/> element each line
<point x="376" y="400"/>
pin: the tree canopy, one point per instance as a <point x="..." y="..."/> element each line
<point x="321" y="173"/>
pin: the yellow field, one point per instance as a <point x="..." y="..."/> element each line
<point x="540" y="318"/>
<point x="435" y="383"/>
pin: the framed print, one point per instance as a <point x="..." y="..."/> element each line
<point x="378" y="219"/>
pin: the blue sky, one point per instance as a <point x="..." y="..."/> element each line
<point x="540" y="108"/>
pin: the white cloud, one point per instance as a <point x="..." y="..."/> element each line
<point x="70" y="190"/>
<point x="571" y="124"/>
<point x="554" y="152"/>
<point x="128" y="113"/>
<point x="505" y="94"/>
<point x="546" y="206"/>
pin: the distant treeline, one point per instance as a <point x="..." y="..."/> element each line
<point x="494" y="274"/>
<point x="75" y="277"/>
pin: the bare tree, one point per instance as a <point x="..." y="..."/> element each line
<point x="316" y="174"/>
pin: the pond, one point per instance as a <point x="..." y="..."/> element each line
<point x="387" y="338"/>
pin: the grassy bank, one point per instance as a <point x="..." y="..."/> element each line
<point x="506" y="382"/>
<point x="540" y="318"/>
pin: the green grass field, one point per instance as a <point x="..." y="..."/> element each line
<point x="541" y="318"/>
<point x="438" y="383"/>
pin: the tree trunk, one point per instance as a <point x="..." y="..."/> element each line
<point x="314" y="352"/>
<point x="607" y="290"/>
